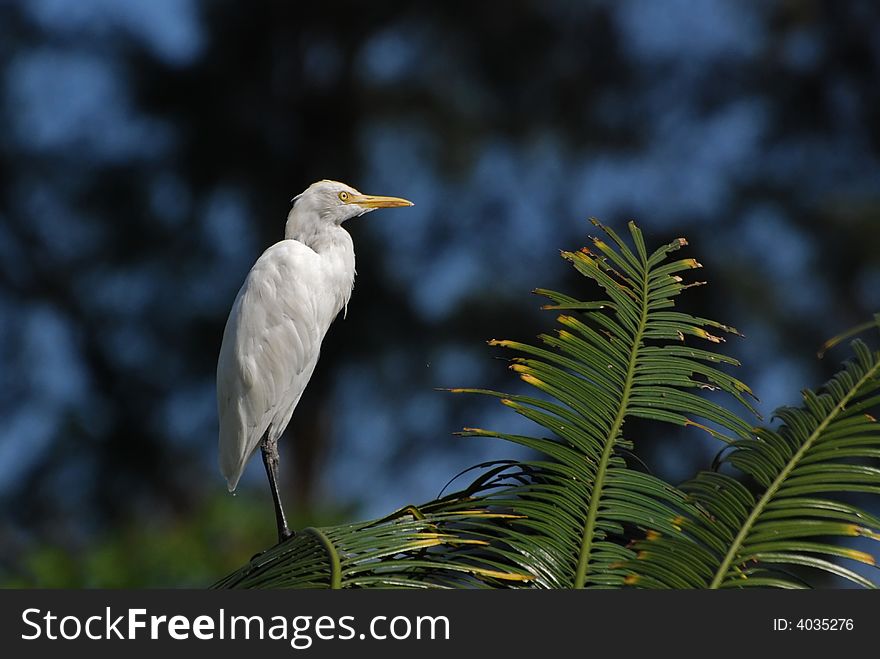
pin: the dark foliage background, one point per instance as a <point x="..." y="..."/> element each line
<point x="148" y="152"/>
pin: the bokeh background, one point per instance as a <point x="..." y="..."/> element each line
<point x="148" y="152"/>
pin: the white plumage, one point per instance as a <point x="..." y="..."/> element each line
<point x="273" y="335"/>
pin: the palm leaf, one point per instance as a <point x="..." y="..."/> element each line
<point x="408" y="549"/>
<point x="807" y="472"/>
<point x="628" y="356"/>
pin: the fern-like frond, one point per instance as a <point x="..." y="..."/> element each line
<point x="408" y="549"/>
<point x="807" y="472"/>
<point x="628" y="356"/>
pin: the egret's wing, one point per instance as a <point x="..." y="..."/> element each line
<point x="270" y="347"/>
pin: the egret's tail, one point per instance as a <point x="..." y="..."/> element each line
<point x="233" y="453"/>
<point x="231" y="472"/>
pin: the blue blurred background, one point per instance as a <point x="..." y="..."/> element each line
<point x="148" y="152"/>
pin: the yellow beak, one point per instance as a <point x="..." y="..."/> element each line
<point x="374" y="201"/>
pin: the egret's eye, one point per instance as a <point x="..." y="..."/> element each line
<point x="343" y="196"/>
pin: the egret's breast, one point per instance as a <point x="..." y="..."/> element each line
<point x="338" y="278"/>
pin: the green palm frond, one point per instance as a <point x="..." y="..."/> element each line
<point x="807" y="472"/>
<point x="408" y="549"/>
<point x="629" y="356"/>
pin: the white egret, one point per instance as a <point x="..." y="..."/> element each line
<point x="277" y="322"/>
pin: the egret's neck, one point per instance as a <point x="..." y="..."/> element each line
<point x="332" y="243"/>
<point x="306" y="225"/>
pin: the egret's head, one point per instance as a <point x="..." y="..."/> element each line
<point x="337" y="202"/>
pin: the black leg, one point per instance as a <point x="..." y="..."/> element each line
<point x="271" y="460"/>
